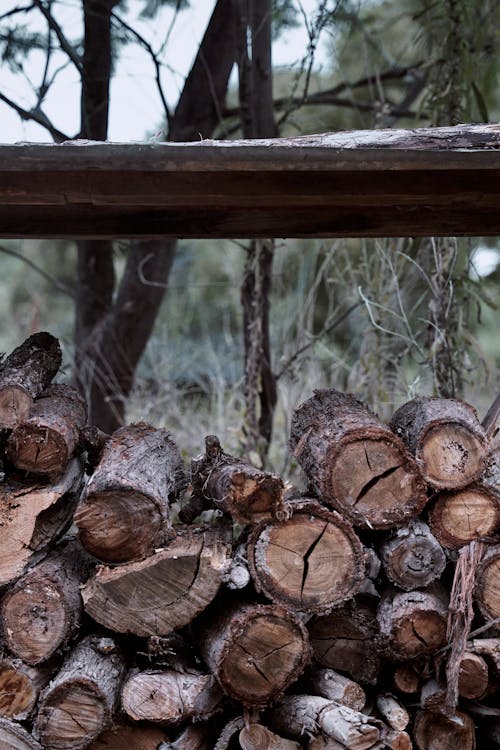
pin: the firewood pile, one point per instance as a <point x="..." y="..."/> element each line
<point x="149" y="606"/>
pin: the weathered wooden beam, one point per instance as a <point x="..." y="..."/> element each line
<point x="441" y="181"/>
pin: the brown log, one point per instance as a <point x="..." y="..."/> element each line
<point x="487" y="587"/>
<point x="169" y="697"/>
<point x="473" y="676"/>
<point x="256" y="651"/>
<point x="43" y="609"/>
<point x="348" y="640"/>
<point x="20" y="686"/>
<point x="80" y="701"/>
<point x="193" y="737"/>
<point x="163" y="592"/>
<point x="397" y="740"/>
<point x="125" y="737"/>
<point x="14" y="737"/>
<point x="320" y="742"/>
<point x="45" y="442"/>
<point x="298" y="714"/>
<point x="231" y="729"/>
<point x="449" y="443"/>
<point x="433" y="696"/>
<point x="392" y="711"/>
<point x="355" y="462"/>
<point x="407" y="677"/>
<point x="413" y="623"/>
<point x="412" y="557"/>
<point x="489" y="647"/>
<point x="92" y="441"/>
<point x="257" y="737"/>
<point x="433" y="731"/>
<point x="33" y="516"/>
<point x="335" y="687"/>
<point x="312" y="562"/>
<point x="124" y="513"/>
<point x="463" y="516"/>
<point x="25" y="374"/>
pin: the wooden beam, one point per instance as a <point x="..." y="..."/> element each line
<point x="441" y="181"/>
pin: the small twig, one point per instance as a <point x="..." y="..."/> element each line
<point x="66" y="45"/>
<point x="36" y="115"/>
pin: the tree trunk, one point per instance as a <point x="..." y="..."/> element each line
<point x="433" y="731"/>
<point x="43" y="610"/>
<point x="45" y="442"/>
<point x="487" y="587"/>
<point x="412" y="557"/>
<point x="163" y="592"/>
<point x="14" y="737"/>
<point x="124" y="514"/>
<point x="124" y="737"/>
<point x="335" y="687"/>
<point x="355" y="462"/>
<point x="33" y="516"/>
<point x="20" y="686"/>
<point x="257" y="737"/>
<point x="26" y="372"/>
<point x="312" y="562"/>
<point x="463" y="516"/>
<point x="449" y="444"/>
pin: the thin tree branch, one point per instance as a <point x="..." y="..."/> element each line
<point x="66" y="46"/>
<point x="47" y="276"/>
<point x="15" y="11"/>
<point x="36" y="115"/>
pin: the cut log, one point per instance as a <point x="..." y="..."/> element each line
<point x="473" y="676"/>
<point x="413" y="623"/>
<point x="355" y="462"/>
<point x="457" y="518"/>
<point x="298" y="714"/>
<point x="348" y="640"/>
<point x="256" y="651"/>
<point x="392" y="711"/>
<point x="25" y="374"/>
<point x="489" y="647"/>
<point x="125" y="737"/>
<point x="433" y="696"/>
<point x="170" y="698"/>
<point x="92" y="441"/>
<point x="45" y="442"/>
<point x="413" y="558"/>
<point x="433" y="731"/>
<point x="408" y="676"/>
<point x="449" y="443"/>
<point x="320" y="742"/>
<point x="487" y="587"/>
<point x="311" y="562"/>
<point x="20" y="686"/>
<point x="194" y="737"/>
<point x="124" y="513"/>
<point x="231" y="729"/>
<point x="397" y="740"/>
<point x="14" y="737"/>
<point x="234" y="486"/>
<point x="163" y="592"/>
<point x="43" y="609"/>
<point x="257" y="737"/>
<point x="80" y="701"/>
<point x="335" y="687"/>
<point x="33" y="516"/>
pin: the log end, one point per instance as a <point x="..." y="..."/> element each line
<point x="17" y="693"/>
<point x="72" y="718"/>
<point x="452" y="455"/>
<point x="463" y="516"/>
<point x="15" y="405"/>
<point x="38" y="449"/>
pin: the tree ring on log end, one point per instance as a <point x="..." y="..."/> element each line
<point x="460" y="517"/>
<point x="434" y="731"/>
<point x="487" y="588"/>
<point x="15" y="405"/>
<point x="313" y="561"/>
<point x="451" y="455"/>
<point x="17" y="695"/>
<point x="55" y="724"/>
<point x="38" y="449"/>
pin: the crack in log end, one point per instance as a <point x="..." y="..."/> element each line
<point x="374" y="481"/>
<point x="307" y="556"/>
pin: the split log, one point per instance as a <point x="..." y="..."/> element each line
<point x="124" y="513"/>
<point x="45" y="442"/>
<point x="433" y="731"/>
<point x="163" y="592"/>
<point x="348" y="640"/>
<point x="80" y="701"/>
<point x="413" y="623"/>
<point x="473" y="676"/>
<point x="234" y="486"/>
<point x="335" y="687"/>
<point x="392" y="711"/>
<point x="487" y="587"/>
<point x="125" y="737"/>
<point x="170" y="698"/>
<point x="256" y="651"/>
<point x="14" y="737"/>
<point x="25" y="374"/>
<point x="355" y="462"/>
<point x="412" y="557"/>
<point x="312" y="562"/>
<point x="460" y="517"/>
<point x="298" y="714"/>
<point x="33" y="516"/>
<point x="20" y="686"/>
<point x="257" y="737"/>
<point x="449" y="443"/>
<point x="43" y="609"/>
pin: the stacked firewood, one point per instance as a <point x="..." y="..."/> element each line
<point x="150" y="607"/>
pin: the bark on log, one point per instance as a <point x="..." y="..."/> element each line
<point x="92" y="441"/>
<point x="433" y="696"/>
<point x="256" y="651"/>
<point x="257" y="737"/>
<point x="163" y="592"/>
<point x="335" y="687"/>
<point x="298" y="714"/>
<point x="225" y="738"/>
<point x="348" y="640"/>
<point x="33" y="516"/>
<point x="413" y="623"/>
<point x="20" y="686"/>
<point x="45" y="442"/>
<point x="170" y="698"/>
<point x="355" y="462"/>
<point x="473" y="676"/>
<point x="457" y="518"/>
<point x="392" y="711"/>
<point x="450" y="445"/>
<point x="412" y="557"/>
<point x="489" y="647"/>
<point x="14" y="737"/>
<point x="487" y="587"/>
<point x="43" y="609"/>
<point x="80" y="701"/>
<point x="234" y="486"/>
<point x="433" y="731"/>
<point x="124" y="512"/>
<point x="25" y="374"/>
<point x="193" y="737"/>
<point x="397" y="740"/>
<point x="125" y="737"/>
<point x="312" y="562"/>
